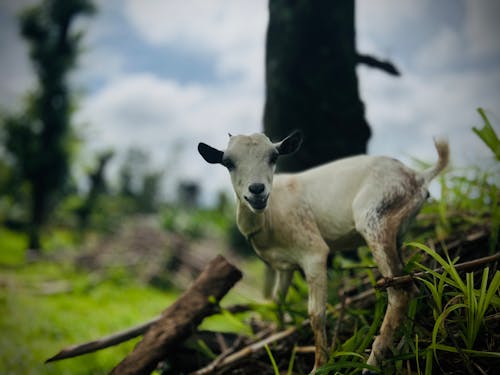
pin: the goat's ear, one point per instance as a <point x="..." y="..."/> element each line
<point x="290" y="144"/>
<point x="210" y="154"/>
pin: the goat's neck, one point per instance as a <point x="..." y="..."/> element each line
<point x="249" y="223"/>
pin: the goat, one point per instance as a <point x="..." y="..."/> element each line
<point x="293" y="220"/>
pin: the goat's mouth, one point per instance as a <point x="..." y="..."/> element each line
<point x="258" y="203"/>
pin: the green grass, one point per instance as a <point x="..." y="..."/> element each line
<point x="12" y="247"/>
<point x="35" y="326"/>
<point x="459" y="308"/>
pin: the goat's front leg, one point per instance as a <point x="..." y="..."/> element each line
<point x="282" y="282"/>
<point x="270" y="276"/>
<point x="281" y="285"/>
<point x="315" y="271"/>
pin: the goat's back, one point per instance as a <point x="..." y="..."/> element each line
<point x="329" y="190"/>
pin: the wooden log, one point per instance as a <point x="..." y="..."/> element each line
<point x="178" y="321"/>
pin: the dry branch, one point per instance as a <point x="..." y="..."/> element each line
<point x="400" y="280"/>
<point x="104" y="342"/>
<point x="178" y="321"/>
<point x="122" y="336"/>
<point x="246" y="351"/>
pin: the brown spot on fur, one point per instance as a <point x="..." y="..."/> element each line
<point x="292" y="184"/>
<point x="398" y="198"/>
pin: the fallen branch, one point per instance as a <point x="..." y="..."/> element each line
<point x="178" y="320"/>
<point x="122" y="336"/>
<point x="104" y="342"/>
<point x="401" y="280"/>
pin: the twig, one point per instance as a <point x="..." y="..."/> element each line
<point x="399" y="280"/>
<point x="246" y="351"/>
<point x="104" y="342"/>
<point x="259" y="336"/>
<point x="364" y="296"/>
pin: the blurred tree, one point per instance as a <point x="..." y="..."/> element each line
<point x="148" y="198"/>
<point x="311" y="81"/>
<point x="130" y="173"/>
<point x="138" y="182"/>
<point x="188" y="194"/>
<point x="38" y="139"/>
<point x="97" y="186"/>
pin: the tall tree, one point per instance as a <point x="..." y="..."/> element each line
<point x="311" y="81"/>
<point x="38" y="139"/>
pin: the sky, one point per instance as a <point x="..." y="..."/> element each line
<point x="165" y="75"/>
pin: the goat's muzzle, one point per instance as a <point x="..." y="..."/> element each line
<point x="258" y="202"/>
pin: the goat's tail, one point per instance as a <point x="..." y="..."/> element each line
<point x="443" y="150"/>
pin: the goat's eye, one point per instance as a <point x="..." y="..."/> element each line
<point x="273" y="158"/>
<point x="228" y="163"/>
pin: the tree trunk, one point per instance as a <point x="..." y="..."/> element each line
<point x="311" y="81"/>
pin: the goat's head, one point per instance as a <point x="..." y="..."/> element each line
<point x="251" y="161"/>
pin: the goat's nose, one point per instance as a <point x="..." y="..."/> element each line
<point x="256" y="188"/>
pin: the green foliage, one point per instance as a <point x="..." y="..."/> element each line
<point x="348" y="358"/>
<point x="12" y="245"/>
<point x="138" y="182"/>
<point x="273" y="361"/>
<point x="196" y="223"/>
<point x="488" y="135"/>
<point x="459" y="308"/>
<point x="36" y="320"/>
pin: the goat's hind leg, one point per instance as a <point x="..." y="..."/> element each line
<point x="381" y="236"/>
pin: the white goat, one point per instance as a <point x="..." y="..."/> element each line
<point x="334" y="206"/>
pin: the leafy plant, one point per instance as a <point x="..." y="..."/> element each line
<point x="459" y="307"/>
<point x="488" y="135"/>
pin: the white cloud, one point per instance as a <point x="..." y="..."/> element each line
<point x="216" y="25"/>
<point x="163" y="116"/>
<point x="232" y="31"/>
<point x="406" y="113"/>
<point x="475" y="40"/>
<point x="482" y="28"/>
<point x="16" y="75"/>
<point x="382" y="23"/>
<point x="442" y="83"/>
<point x="445" y="50"/>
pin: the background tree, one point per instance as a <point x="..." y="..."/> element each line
<point x="139" y="183"/>
<point x="38" y="140"/>
<point x="98" y="186"/>
<point x="311" y="81"/>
